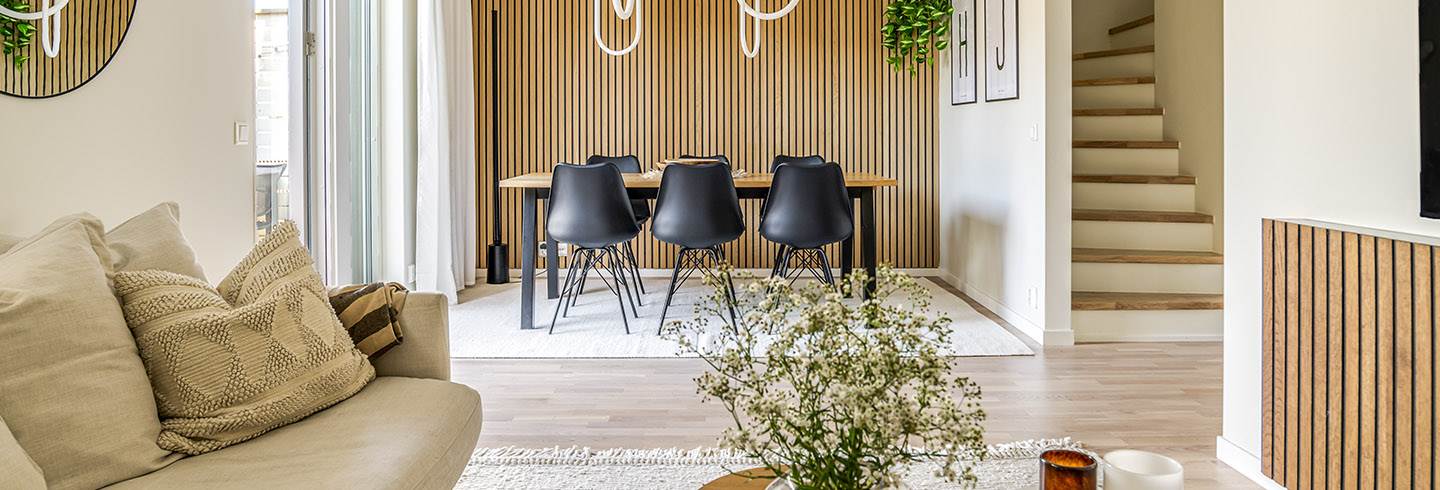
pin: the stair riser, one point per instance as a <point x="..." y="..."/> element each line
<point x="1130" y="235"/>
<point x="1130" y="65"/>
<point x="1115" y="96"/>
<point x="1148" y="278"/>
<point x="1148" y="326"/>
<point x="1138" y="197"/>
<point x="1125" y="161"/>
<point x="1139" y="36"/>
<point x="1150" y="128"/>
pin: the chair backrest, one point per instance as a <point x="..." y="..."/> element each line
<point x="719" y="158"/>
<point x="806" y="161"/>
<point x="697" y="206"/>
<point x="628" y="164"/>
<point x="808" y="207"/>
<point x="589" y="206"/>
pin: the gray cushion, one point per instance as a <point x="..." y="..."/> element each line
<point x="395" y="433"/>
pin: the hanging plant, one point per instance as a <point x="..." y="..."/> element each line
<point x="15" y="34"/>
<point x="915" y="31"/>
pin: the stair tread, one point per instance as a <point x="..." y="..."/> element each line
<point x="1090" y="55"/>
<point x="1140" y="216"/>
<point x="1134" y="24"/>
<point x="1143" y="111"/>
<point x="1133" y="179"/>
<point x="1124" y="256"/>
<point x="1128" y="145"/>
<point x="1105" y="301"/>
<point x="1099" y="82"/>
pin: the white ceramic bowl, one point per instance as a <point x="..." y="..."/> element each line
<point x="1128" y="469"/>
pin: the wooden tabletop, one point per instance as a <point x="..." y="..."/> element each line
<point x="541" y="180"/>
<point x="753" y="479"/>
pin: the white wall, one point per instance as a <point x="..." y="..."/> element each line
<point x="1094" y="18"/>
<point x="1189" y="67"/>
<point x="1005" y="212"/>
<point x="155" y="126"/>
<point x="1321" y="122"/>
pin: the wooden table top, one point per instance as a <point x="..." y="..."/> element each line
<point x="752" y="479"/>
<point x="541" y="180"/>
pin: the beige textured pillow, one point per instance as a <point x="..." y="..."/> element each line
<point x="229" y="365"/>
<point x="72" y="389"/>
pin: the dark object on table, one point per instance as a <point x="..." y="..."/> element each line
<point x="1063" y="469"/>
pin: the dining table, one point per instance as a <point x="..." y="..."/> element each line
<point x="535" y="187"/>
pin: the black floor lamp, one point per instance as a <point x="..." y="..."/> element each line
<point x="497" y="254"/>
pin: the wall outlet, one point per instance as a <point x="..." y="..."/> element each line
<point x="1034" y="132"/>
<point x="410" y="274"/>
<point x="1032" y="298"/>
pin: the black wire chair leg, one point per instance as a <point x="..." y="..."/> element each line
<point x="617" y="270"/>
<point x="674" y="285"/>
<point x="618" y="296"/>
<point x="825" y="267"/>
<point x="634" y="264"/>
<point x="729" y="288"/>
<point x="570" y="281"/>
<point x="587" y="262"/>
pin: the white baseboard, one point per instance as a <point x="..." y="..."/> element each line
<point x="1244" y="462"/>
<point x="1024" y="325"/>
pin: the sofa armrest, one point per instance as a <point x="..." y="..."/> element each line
<point x="16" y="467"/>
<point x="424" y="351"/>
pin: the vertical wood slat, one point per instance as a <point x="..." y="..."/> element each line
<point x="1349" y="367"/>
<point x="818" y="86"/>
<point x="1424" y="355"/>
<point x="1267" y="346"/>
<point x="91" y="33"/>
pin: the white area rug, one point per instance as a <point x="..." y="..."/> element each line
<point x="487" y="325"/>
<point x="1009" y="466"/>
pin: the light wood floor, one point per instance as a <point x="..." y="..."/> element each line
<point x="1158" y="397"/>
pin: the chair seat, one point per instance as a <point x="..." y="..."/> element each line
<point x="395" y="433"/>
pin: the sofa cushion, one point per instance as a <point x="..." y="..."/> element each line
<point x="227" y="371"/>
<point x="150" y="240"/>
<point x="19" y="471"/>
<point x="73" y="391"/>
<point x="395" y="433"/>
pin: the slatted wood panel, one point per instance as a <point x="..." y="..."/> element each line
<point x="92" y="32"/>
<point x="1348" y="353"/>
<point x="819" y="86"/>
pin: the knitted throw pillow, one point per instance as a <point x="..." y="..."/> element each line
<point x="262" y="351"/>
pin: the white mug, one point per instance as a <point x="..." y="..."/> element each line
<point x="1128" y="469"/>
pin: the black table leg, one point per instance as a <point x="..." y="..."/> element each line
<point x="527" y="259"/>
<point x="552" y="263"/>
<point x="867" y="236"/>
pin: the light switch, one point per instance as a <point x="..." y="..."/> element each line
<point x="242" y="133"/>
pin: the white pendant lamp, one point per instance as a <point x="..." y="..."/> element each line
<point x="49" y="17"/>
<point x="748" y="14"/>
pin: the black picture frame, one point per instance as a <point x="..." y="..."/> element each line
<point x="963" y="55"/>
<point x="1004" y="56"/>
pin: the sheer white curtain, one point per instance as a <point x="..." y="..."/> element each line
<point x="446" y="228"/>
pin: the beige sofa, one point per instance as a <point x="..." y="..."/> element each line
<point x="410" y="428"/>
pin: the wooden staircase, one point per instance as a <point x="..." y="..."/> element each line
<point x="1143" y="268"/>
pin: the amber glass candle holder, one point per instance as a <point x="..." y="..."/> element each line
<point x="1063" y="469"/>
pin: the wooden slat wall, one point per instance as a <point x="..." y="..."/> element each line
<point x="1348" y="356"/>
<point x="92" y="33"/>
<point x="820" y="85"/>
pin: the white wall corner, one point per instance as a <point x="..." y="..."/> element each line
<point x="1038" y="333"/>
<point x="1244" y="462"/>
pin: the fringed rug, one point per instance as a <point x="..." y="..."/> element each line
<point x="1009" y="466"/>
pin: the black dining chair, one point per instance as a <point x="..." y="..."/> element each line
<point x="590" y="209"/>
<point x="805" y="161"/>
<point x="807" y="209"/>
<point x="628" y="164"/>
<point x="697" y="210"/>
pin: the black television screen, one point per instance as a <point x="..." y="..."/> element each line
<point x="1429" y="109"/>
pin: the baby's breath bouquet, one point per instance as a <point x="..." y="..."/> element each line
<point x="835" y="393"/>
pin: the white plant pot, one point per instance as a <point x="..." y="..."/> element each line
<point x="1128" y="469"/>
